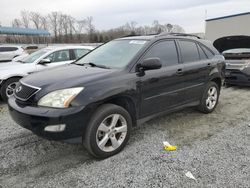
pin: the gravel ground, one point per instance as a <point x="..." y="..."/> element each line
<point x="215" y="148"/>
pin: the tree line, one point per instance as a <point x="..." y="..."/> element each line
<point x="66" y="29"/>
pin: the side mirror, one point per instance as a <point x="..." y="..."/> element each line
<point x="150" y="64"/>
<point x="44" y="61"/>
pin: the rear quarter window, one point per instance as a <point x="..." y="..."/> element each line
<point x="8" y="49"/>
<point x="80" y="52"/>
<point x="207" y="52"/>
<point x="202" y="53"/>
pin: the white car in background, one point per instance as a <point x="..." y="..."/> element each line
<point x="7" y="53"/>
<point x="49" y="57"/>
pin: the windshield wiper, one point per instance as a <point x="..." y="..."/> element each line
<point x="99" y="66"/>
<point x="94" y="65"/>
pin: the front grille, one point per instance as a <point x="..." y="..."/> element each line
<point x="24" y="91"/>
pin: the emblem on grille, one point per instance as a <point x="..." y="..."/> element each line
<point x="18" y="89"/>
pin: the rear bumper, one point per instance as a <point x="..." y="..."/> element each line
<point x="237" y="77"/>
<point x="37" y="118"/>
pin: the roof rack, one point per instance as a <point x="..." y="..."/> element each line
<point x="130" y="35"/>
<point x="179" y="34"/>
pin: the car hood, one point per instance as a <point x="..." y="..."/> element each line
<point x="10" y="64"/>
<point x="67" y="76"/>
<point x="231" y="42"/>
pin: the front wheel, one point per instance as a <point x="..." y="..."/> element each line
<point x="108" y="131"/>
<point x="210" y="98"/>
<point x="8" y="88"/>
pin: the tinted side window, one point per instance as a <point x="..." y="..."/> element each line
<point x="202" y="53"/>
<point x="2" y="49"/>
<point x="58" y="56"/>
<point x="80" y="52"/>
<point x="166" y="51"/>
<point x="189" y="51"/>
<point x="7" y="49"/>
<point x="207" y="52"/>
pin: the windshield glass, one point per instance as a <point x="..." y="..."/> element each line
<point x="34" y="56"/>
<point x="237" y="50"/>
<point x="114" y="54"/>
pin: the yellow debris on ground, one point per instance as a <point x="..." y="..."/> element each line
<point x="169" y="147"/>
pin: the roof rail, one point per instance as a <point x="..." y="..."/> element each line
<point x="179" y="34"/>
<point x="130" y="35"/>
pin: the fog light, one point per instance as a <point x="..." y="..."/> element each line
<point x="55" y="128"/>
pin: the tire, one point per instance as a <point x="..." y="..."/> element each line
<point x="204" y="106"/>
<point x="98" y="138"/>
<point x="3" y="89"/>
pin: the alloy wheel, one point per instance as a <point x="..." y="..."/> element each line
<point x="10" y="89"/>
<point x="211" y="97"/>
<point x="111" y="133"/>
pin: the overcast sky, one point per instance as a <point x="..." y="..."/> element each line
<point x="189" y="14"/>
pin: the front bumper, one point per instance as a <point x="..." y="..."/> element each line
<point x="37" y="118"/>
<point x="237" y="77"/>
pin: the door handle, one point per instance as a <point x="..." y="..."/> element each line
<point x="179" y="72"/>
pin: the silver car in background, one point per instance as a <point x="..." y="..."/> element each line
<point x="7" y="53"/>
<point x="49" y="57"/>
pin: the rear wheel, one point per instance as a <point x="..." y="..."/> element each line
<point x="210" y="98"/>
<point x="108" y="131"/>
<point x="8" y="88"/>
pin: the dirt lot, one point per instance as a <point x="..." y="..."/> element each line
<point x="214" y="147"/>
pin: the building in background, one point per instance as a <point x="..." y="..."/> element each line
<point x="238" y="24"/>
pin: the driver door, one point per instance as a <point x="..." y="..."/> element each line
<point x="161" y="89"/>
<point x="57" y="58"/>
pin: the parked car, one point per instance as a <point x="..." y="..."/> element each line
<point x="125" y="82"/>
<point x="7" y="53"/>
<point x="236" y="50"/>
<point x="29" y="50"/>
<point x="12" y="72"/>
<point x="20" y="57"/>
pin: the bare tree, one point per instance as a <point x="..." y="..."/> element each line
<point x="80" y="25"/>
<point x="53" y="18"/>
<point x="25" y="18"/>
<point x="36" y="18"/>
<point x="66" y="29"/>
<point x="44" y="22"/>
<point x="16" y="23"/>
<point x="178" y="29"/>
<point x="90" y="28"/>
<point x="130" y="26"/>
<point x="169" y="27"/>
<point x="79" y="28"/>
<point x="71" y="23"/>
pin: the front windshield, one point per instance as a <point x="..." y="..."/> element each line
<point x="237" y="50"/>
<point x="114" y="54"/>
<point x="34" y="56"/>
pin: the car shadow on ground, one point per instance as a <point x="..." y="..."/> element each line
<point x="57" y="156"/>
<point x="236" y="87"/>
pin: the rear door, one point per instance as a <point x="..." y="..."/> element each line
<point x="196" y="69"/>
<point x="79" y="53"/>
<point x="159" y="88"/>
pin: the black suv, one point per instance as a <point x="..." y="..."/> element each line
<point x="100" y="97"/>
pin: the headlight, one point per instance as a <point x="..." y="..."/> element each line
<point x="60" y="98"/>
